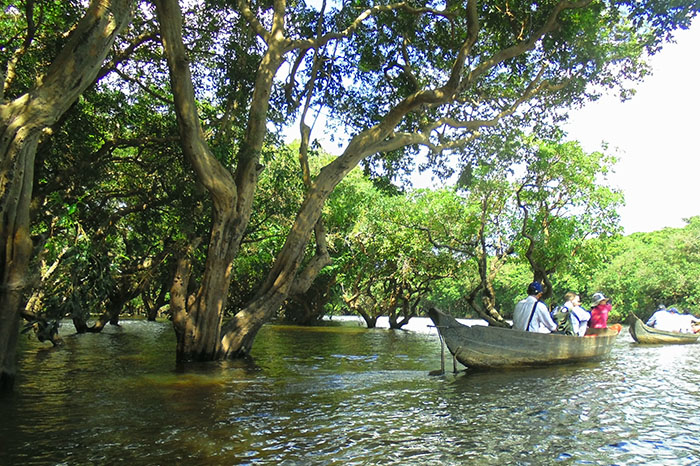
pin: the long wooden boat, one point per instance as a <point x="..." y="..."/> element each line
<point x="482" y="347"/>
<point x="644" y="334"/>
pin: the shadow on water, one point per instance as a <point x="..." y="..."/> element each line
<point x="342" y="395"/>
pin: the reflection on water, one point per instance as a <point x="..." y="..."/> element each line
<point x="342" y="395"/>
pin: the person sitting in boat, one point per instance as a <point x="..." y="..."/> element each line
<point x="599" y="311"/>
<point x="665" y="319"/>
<point x="579" y="316"/>
<point x="531" y="314"/>
<point x="688" y="322"/>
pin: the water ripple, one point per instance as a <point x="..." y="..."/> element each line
<point x="344" y="396"/>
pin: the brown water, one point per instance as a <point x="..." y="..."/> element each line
<point x="342" y="395"/>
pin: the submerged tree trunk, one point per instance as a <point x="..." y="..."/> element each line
<point x="43" y="329"/>
<point x="408" y="310"/>
<point x="370" y="320"/>
<point x="309" y="307"/>
<point x="239" y="333"/>
<point x="154" y="307"/>
<point x="198" y="318"/>
<point x="22" y="124"/>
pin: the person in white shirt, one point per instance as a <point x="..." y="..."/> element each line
<point x="664" y="319"/>
<point x="688" y="322"/>
<point x="531" y="314"/>
<point x="579" y="316"/>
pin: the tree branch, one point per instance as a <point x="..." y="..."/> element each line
<point x="10" y="71"/>
<point x="247" y="13"/>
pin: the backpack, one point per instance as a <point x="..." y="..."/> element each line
<point x="562" y="317"/>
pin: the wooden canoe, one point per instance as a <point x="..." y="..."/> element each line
<point x="643" y="334"/>
<point x="482" y="347"/>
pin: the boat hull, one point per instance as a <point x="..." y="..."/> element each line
<point x="643" y="334"/>
<point x="483" y="347"/>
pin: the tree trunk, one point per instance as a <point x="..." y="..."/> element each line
<point x="408" y="311"/>
<point x="81" y="325"/>
<point x="239" y="333"/>
<point x="115" y="304"/>
<point x="370" y="320"/>
<point x="153" y="308"/>
<point x="197" y="319"/>
<point x="44" y="330"/>
<point x="309" y="307"/>
<point x="22" y="124"/>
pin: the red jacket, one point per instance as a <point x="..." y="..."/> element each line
<point x="599" y="316"/>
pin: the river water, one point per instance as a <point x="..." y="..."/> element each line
<point x="342" y="395"/>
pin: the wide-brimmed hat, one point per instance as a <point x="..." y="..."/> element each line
<point x="597" y="298"/>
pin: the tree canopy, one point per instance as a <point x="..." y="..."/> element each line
<point x="648" y="269"/>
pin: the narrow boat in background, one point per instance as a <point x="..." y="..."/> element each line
<point x="643" y="334"/>
<point x="482" y="347"/>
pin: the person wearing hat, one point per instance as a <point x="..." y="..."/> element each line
<point x="665" y="319"/>
<point x="531" y="314"/>
<point x="599" y="311"/>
